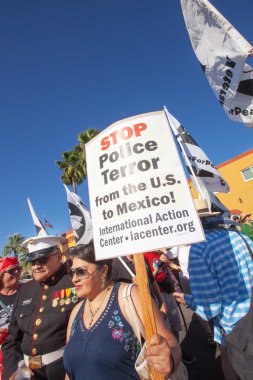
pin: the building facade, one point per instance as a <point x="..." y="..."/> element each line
<point x="238" y="172"/>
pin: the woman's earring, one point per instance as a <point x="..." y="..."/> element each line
<point x="103" y="283"/>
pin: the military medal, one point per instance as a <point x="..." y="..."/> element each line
<point x="74" y="298"/>
<point x="55" y="299"/>
<point x="68" y="299"/>
<point x="62" y="300"/>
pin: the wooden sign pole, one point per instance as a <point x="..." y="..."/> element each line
<point x="146" y="304"/>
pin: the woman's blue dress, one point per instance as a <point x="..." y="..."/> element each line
<point x="107" y="351"/>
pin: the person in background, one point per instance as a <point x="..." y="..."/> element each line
<point x="10" y="271"/>
<point x="40" y="314"/>
<point x="158" y="263"/>
<point x="221" y="278"/>
<point x="168" y="285"/>
<point x="237" y="219"/>
<point x="173" y="262"/>
<point x="182" y="253"/>
<point x="246" y="225"/>
<point x="121" y="274"/>
<point x="100" y="340"/>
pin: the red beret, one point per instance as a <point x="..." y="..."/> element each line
<point x="6" y="262"/>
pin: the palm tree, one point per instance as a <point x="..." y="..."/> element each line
<point x="72" y="167"/>
<point x="84" y="138"/>
<point x="14" y="245"/>
<point x="26" y="266"/>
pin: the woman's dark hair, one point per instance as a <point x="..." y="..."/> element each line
<point x="87" y="252"/>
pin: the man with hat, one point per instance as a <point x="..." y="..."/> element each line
<point x="247" y="225"/>
<point x="221" y="278"/>
<point x="37" y="330"/>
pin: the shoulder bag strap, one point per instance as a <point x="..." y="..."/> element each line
<point x="132" y="314"/>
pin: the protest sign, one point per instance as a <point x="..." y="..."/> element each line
<point x="139" y="196"/>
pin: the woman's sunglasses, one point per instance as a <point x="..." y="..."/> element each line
<point x="14" y="270"/>
<point x="81" y="272"/>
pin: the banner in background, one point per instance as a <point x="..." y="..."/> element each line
<point x="222" y="52"/>
<point x="37" y="223"/>
<point x="196" y="160"/>
<point x="80" y="218"/>
<point x="205" y="177"/>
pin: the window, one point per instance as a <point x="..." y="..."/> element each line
<point x="247" y="173"/>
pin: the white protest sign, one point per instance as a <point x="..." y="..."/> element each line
<point x="139" y="195"/>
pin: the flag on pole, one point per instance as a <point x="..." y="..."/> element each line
<point x="222" y="53"/>
<point x="37" y="223"/>
<point x="80" y="218"/>
<point x="47" y="224"/>
<point x="205" y="177"/>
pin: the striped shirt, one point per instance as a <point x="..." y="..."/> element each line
<point x="221" y="279"/>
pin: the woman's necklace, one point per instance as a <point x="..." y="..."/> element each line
<point x="93" y="313"/>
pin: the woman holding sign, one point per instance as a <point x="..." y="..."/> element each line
<point x="100" y="339"/>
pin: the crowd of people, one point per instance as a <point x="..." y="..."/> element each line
<point x="70" y="320"/>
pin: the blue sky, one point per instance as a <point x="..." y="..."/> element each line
<point x="71" y="65"/>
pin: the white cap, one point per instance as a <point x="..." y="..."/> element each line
<point x="39" y="246"/>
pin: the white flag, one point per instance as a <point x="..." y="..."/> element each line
<point x="222" y="52"/>
<point x="205" y="177"/>
<point x="37" y="223"/>
<point x="213" y="203"/>
<point x="200" y="164"/>
<point x="80" y="218"/>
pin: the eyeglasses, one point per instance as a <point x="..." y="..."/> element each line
<point x="14" y="270"/>
<point x="42" y="260"/>
<point x="81" y="272"/>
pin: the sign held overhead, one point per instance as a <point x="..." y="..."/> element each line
<point x="139" y="195"/>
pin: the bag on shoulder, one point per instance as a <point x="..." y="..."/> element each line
<point x="239" y="341"/>
<point x="141" y="364"/>
<point x="239" y="344"/>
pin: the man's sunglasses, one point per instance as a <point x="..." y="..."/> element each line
<point x="14" y="270"/>
<point x="81" y="272"/>
<point x="42" y="260"/>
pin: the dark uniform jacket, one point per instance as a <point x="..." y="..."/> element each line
<point x="39" y="321"/>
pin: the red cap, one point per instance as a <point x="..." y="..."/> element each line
<point x="6" y="262"/>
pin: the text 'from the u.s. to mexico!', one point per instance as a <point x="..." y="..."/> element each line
<point x="139" y="196"/>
